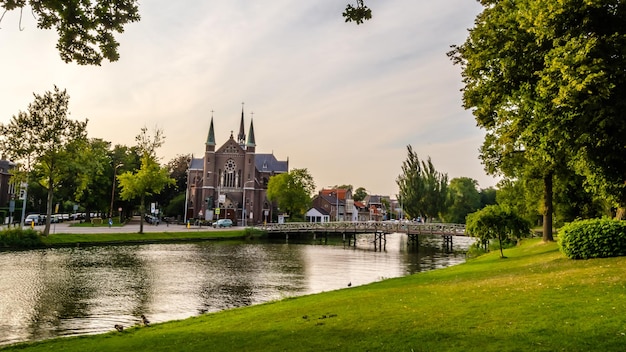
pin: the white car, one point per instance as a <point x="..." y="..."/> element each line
<point x="32" y="218"/>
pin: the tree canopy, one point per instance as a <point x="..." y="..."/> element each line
<point x="497" y="222"/>
<point x="423" y="190"/>
<point x="545" y="80"/>
<point x="86" y="28"/>
<point x="291" y="191"/>
<point x="44" y="137"/>
<point x="151" y="178"/>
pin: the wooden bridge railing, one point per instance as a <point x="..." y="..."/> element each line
<point x="368" y="227"/>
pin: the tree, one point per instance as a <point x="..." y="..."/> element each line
<point x="546" y="81"/>
<point x="151" y="178"/>
<point x="86" y="28"/>
<point x="291" y="191"/>
<point x="359" y="194"/>
<point x="93" y="176"/>
<point x="358" y="13"/>
<point x="423" y="190"/>
<point x="487" y="196"/>
<point x="464" y="199"/>
<point x="177" y="169"/>
<point x="44" y="138"/>
<point x="495" y="221"/>
<point x="499" y="60"/>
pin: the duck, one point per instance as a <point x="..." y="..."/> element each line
<point x="349" y="283"/>
<point x="119" y="327"/>
<point x="145" y="320"/>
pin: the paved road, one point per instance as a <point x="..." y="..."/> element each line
<point x="132" y="227"/>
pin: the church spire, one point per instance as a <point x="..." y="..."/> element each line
<point x="211" y="137"/>
<point x="241" y="137"/>
<point x="251" y="141"/>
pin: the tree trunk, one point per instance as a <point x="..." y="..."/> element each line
<point x="547" y="208"/>
<point x="46" y="230"/>
<point x="142" y="210"/>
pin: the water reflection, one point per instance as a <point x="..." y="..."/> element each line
<point x="69" y="291"/>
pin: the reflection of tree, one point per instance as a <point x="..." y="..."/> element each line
<point x="78" y="284"/>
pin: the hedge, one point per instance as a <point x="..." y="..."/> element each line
<point x="593" y="238"/>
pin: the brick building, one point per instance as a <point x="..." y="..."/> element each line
<point x="231" y="181"/>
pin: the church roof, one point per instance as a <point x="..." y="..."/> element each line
<point x="196" y="164"/>
<point x="268" y="163"/>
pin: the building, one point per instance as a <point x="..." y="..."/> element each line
<point x="7" y="189"/>
<point x="337" y="203"/>
<point x="231" y="181"/>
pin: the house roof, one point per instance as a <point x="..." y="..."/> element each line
<point x="332" y="191"/>
<point x="331" y="199"/>
<point x="319" y="210"/>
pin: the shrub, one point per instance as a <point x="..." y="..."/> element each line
<point x="497" y="222"/>
<point x="18" y="238"/>
<point x="593" y="238"/>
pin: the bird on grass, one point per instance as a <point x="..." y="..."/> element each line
<point x="145" y="320"/>
<point x="119" y="327"/>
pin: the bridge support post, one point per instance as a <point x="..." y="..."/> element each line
<point x="447" y="242"/>
<point x="380" y="241"/>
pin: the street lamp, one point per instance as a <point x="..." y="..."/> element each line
<point x="113" y="190"/>
<point x="243" y="207"/>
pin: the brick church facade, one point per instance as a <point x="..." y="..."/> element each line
<point x="231" y="181"/>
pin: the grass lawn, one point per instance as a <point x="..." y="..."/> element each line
<point x="147" y="237"/>
<point x="536" y="300"/>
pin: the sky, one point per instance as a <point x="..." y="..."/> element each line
<point x="341" y="100"/>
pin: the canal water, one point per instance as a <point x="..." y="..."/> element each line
<point x="76" y="291"/>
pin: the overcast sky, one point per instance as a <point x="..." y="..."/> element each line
<point x="341" y="100"/>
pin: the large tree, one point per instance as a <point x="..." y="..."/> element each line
<point x="44" y="137"/>
<point x="545" y="80"/>
<point x="151" y="178"/>
<point x="291" y="191"/>
<point x="423" y="190"/>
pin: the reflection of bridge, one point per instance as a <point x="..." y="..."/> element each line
<point x="349" y="230"/>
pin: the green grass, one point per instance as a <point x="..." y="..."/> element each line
<point x="536" y="300"/>
<point x="55" y="240"/>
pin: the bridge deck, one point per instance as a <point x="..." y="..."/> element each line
<point x="411" y="228"/>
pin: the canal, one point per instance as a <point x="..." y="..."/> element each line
<point x="76" y="291"/>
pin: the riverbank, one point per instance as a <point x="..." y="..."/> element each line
<point x="535" y="300"/>
<point x="115" y="238"/>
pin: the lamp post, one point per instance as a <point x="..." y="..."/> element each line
<point x="243" y="207"/>
<point x="113" y="190"/>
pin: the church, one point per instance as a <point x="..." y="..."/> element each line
<point x="231" y="181"/>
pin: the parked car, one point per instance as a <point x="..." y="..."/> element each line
<point x="32" y="218"/>
<point x="223" y="223"/>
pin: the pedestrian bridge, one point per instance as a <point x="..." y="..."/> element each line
<point x="350" y="229"/>
<point x="358" y="227"/>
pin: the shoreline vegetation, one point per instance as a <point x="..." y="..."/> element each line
<point x="99" y="239"/>
<point x="536" y="299"/>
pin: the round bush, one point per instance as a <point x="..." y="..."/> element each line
<point x="594" y="238"/>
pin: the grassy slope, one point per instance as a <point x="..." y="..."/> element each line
<point x="536" y="300"/>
